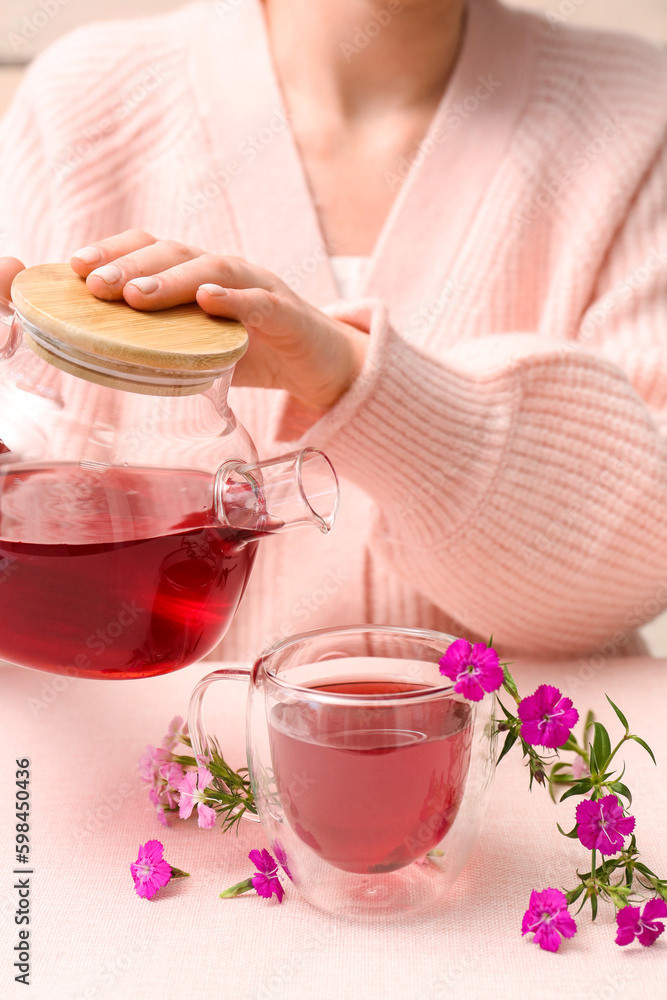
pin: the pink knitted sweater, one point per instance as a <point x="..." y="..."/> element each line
<point x="502" y="455"/>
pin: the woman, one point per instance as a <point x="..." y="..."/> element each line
<point x="445" y="227"/>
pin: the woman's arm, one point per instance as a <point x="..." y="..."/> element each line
<point x="521" y="483"/>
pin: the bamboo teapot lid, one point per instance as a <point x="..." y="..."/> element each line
<point x="171" y="352"/>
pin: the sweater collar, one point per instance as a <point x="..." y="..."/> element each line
<point x="430" y="225"/>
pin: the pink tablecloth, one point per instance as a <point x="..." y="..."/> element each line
<point x="93" y="938"/>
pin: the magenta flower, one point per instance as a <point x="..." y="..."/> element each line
<point x="192" y="791"/>
<point x="547" y="717"/>
<point x="601" y="824"/>
<point x="265" y="881"/>
<point x="547" y="918"/>
<point x="474" y="669"/>
<point x="150" y="871"/>
<point x="643" y="926"/>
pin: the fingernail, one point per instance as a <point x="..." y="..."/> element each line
<point x="213" y="289"/>
<point x="109" y="273"/>
<point x="145" y="285"/>
<point x="89" y="255"/>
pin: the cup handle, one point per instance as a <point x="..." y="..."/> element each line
<point x="196" y="726"/>
<point x="9" y="319"/>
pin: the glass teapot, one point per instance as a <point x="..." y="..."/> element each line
<point x="131" y="499"/>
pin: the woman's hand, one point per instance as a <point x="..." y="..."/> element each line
<point x="9" y="268"/>
<point x="293" y="345"/>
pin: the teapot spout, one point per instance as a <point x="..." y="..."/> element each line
<point x="286" y="492"/>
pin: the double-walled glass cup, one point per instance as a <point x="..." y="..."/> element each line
<point x="370" y="774"/>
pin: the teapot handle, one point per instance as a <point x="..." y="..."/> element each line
<point x="9" y="318"/>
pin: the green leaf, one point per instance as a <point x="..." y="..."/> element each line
<point x="580" y="788"/>
<point x="592" y="759"/>
<point x="571" y="743"/>
<point x="620" y="789"/>
<point x="573" y="895"/>
<point x="642" y="743"/>
<point x="602" y="745"/>
<point x="510" y="683"/>
<point x="510" y="740"/>
<point x="622" y="719"/>
<point x="572" y="834"/>
<point x="508" y="715"/>
<point x="594" y="906"/>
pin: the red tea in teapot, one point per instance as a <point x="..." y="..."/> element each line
<point x="126" y="575"/>
<point x="371" y="787"/>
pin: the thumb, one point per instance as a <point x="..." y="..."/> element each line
<point x="9" y="268"/>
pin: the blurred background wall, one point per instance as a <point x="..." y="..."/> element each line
<point x="28" y="26"/>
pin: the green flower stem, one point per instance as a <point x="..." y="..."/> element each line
<point x="238" y="889"/>
<point x="618" y="746"/>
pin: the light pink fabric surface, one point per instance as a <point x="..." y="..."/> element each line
<point x="92" y="933"/>
<point x="502" y="454"/>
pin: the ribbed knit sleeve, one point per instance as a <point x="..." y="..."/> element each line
<point x="521" y="483"/>
<point x="26" y="194"/>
